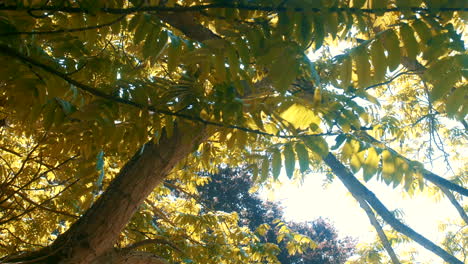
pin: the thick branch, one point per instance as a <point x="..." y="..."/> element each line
<point x="98" y="229"/>
<point x="129" y="257"/>
<point x="437" y="180"/>
<point x="358" y="189"/>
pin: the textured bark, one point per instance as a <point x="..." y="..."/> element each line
<point x="95" y="233"/>
<point x="358" y="189"/>
<point x="129" y="257"/>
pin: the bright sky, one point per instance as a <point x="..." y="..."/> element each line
<point x="312" y="200"/>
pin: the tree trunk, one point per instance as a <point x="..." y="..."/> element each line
<point x="95" y="233"/>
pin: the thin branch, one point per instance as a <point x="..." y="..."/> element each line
<point x="455" y="203"/>
<point x="358" y="189"/>
<point x="62" y="30"/>
<point x="15" y="54"/>
<point x="196" y="8"/>
<point x="383" y="238"/>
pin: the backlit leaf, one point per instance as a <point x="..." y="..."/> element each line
<point x="392" y="45"/>
<point x="276" y="163"/>
<point x="289" y="159"/>
<point x="303" y="156"/>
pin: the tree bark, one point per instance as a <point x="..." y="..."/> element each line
<point x="95" y="233"/>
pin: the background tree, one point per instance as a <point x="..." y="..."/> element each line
<point x="102" y="101"/>
<point x="230" y="190"/>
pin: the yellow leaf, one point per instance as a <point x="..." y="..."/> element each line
<point x="388" y="166"/>
<point x="300" y="116"/>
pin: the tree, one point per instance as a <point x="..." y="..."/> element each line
<point x="102" y="101"/>
<point x="230" y="190"/>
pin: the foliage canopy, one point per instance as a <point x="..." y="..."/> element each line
<point x="102" y="101"/>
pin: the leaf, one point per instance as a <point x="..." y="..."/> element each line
<point x="357" y="161"/>
<point x="362" y="68"/>
<point x="346" y="71"/>
<point x="306" y="28"/>
<point x="332" y="24"/>
<point x="422" y="30"/>
<point x="358" y="3"/>
<point x="317" y="145"/>
<point x="456" y="100"/>
<point x="289" y="160"/>
<point x="371" y="164"/>
<point x="276" y="164"/>
<point x="265" y="169"/>
<point x="444" y="85"/>
<point x="233" y="62"/>
<point x="219" y="65"/>
<point x="378" y="60"/>
<point x="174" y="53"/>
<point x="300" y="116"/>
<point x="392" y="45"/>
<point x="282" y="76"/>
<point x="388" y="166"/>
<point x="319" y="32"/>
<point x="338" y="141"/>
<point x="303" y="156"/>
<point x="409" y="41"/>
<point x="401" y="168"/>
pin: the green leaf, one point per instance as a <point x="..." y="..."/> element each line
<point x="233" y="62"/>
<point x="319" y="32"/>
<point x="388" y="166"/>
<point x="346" y="70"/>
<point x="276" y="164"/>
<point x="392" y="45"/>
<point x="363" y="68"/>
<point x="409" y="41"/>
<point x="371" y="164"/>
<point x="283" y="76"/>
<point x="332" y="24"/>
<point x="317" y="145"/>
<point x="378" y="60"/>
<point x="174" y="53"/>
<point x="303" y="156"/>
<point x="338" y="141"/>
<point x="444" y="85"/>
<point x="220" y="67"/>
<point x="289" y="160"/>
<point x="265" y="169"/>
<point x="358" y="3"/>
<point x="422" y="30"/>
<point x="456" y="100"/>
<point x="306" y="28"/>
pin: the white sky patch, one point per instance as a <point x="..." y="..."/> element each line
<point x="310" y="200"/>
